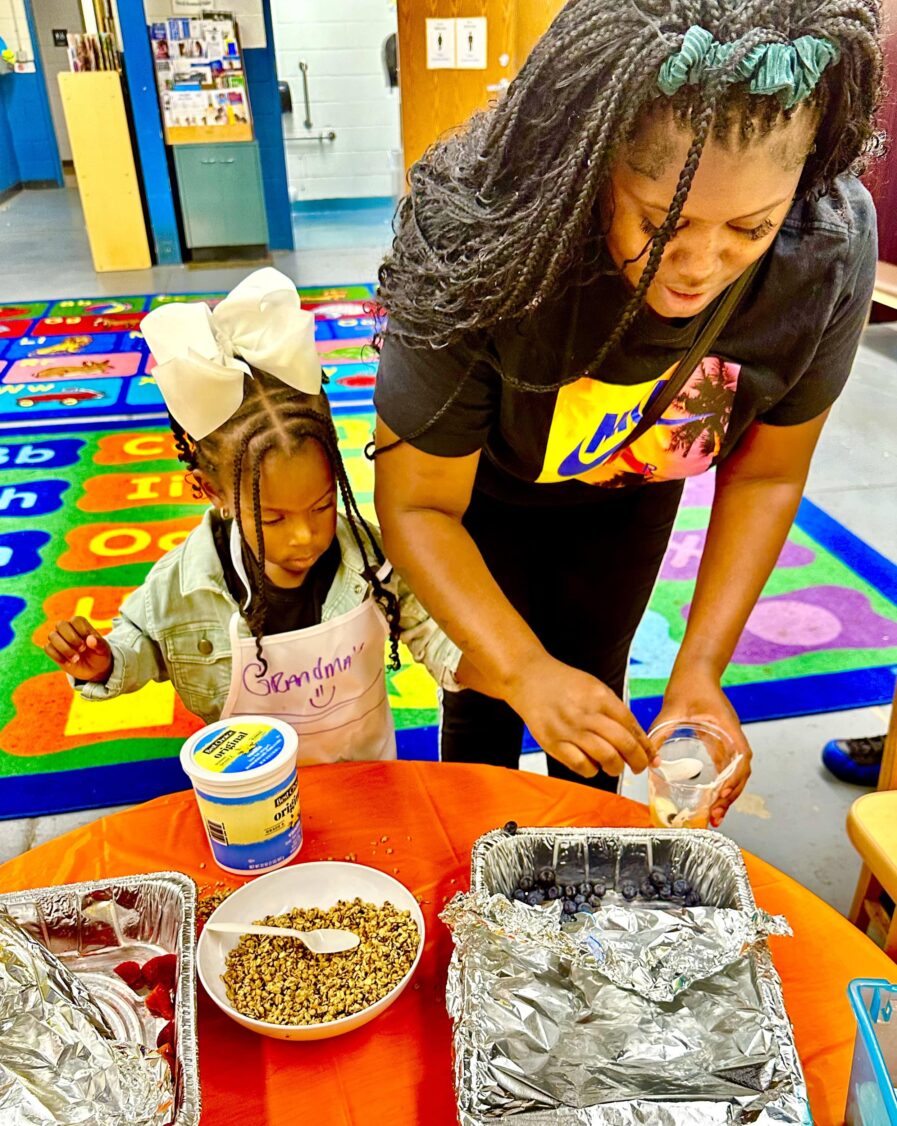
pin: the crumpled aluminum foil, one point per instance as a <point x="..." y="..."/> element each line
<point x="659" y="952"/>
<point x="656" y="951"/>
<point x="93" y="926"/>
<point x="543" y="1033"/>
<point x="59" y="1062"/>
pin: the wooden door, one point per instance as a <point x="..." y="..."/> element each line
<point x="533" y="18"/>
<point x="435" y="101"/>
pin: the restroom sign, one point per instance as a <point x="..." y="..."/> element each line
<point x="440" y="44"/>
<point x="470" y="43"/>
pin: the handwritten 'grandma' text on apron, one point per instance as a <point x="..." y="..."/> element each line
<point x="327" y="681"/>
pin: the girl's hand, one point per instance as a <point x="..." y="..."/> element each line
<point x="578" y="720"/>
<point x="80" y="651"/>
<point x="697" y="696"/>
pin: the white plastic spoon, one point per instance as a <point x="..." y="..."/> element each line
<point x="327" y="940"/>
<point x="681" y="769"/>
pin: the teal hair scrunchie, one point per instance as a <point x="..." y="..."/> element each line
<point x="683" y="67"/>
<point x="790" y="71"/>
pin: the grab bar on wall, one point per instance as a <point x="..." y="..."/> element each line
<point x="323" y="135"/>
<point x="303" y="66"/>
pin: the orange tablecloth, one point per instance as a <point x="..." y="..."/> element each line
<point x="397" y="1070"/>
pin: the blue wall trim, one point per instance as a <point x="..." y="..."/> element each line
<point x="151" y="154"/>
<point x="261" y="77"/>
<point x="345" y="203"/>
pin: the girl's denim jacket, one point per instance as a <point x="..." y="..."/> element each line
<point x="177" y="625"/>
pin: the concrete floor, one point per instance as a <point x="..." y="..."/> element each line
<point x="45" y="253"/>
<point x="793" y="813"/>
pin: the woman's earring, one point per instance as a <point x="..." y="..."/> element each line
<point x="225" y="514"/>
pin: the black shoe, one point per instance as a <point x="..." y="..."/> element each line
<point x="857" y="761"/>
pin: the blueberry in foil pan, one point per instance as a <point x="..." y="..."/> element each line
<point x="586" y="1016"/>
<point x="77" y="1043"/>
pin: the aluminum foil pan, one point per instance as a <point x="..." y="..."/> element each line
<point x="92" y="927"/>
<point x="544" y="1039"/>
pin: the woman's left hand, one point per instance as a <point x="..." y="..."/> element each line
<point x="698" y="696"/>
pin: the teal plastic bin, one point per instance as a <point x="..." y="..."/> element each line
<point x="871" y="1100"/>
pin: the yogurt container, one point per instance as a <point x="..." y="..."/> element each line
<point x="243" y="771"/>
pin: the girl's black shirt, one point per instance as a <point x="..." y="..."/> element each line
<point x="287" y="609"/>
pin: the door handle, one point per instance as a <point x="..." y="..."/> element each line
<point x="212" y="161"/>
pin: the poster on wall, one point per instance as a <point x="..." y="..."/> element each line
<point x="200" y="79"/>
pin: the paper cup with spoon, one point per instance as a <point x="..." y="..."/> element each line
<point x="697" y="760"/>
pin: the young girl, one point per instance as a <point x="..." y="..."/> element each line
<point x="276" y="604"/>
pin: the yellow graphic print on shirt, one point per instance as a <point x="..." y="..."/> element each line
<point x="593" y="421"/>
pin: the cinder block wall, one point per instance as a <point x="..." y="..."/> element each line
<point x="342" y="42"/>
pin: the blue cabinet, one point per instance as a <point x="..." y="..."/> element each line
<point x="220" y="188"/>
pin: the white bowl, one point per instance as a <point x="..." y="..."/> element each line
<point x="318" y="884"/>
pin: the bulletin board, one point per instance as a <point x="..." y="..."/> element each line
<point x="200" y="78"/>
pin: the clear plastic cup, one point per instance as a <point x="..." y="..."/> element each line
<point x="695" y="765"/>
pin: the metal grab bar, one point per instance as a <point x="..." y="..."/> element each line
<point x="324" y="135"/>
<point x="303" y="66"/>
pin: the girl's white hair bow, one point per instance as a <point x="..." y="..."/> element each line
<point x="196" y="349"/>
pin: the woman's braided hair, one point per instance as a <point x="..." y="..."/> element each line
<point x="274" y="416"/>
<point x="505" y="214"/>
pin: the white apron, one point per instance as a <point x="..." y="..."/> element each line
<point x="327" y="681"/>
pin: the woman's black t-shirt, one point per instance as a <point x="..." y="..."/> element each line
<point x="782" y="359"/>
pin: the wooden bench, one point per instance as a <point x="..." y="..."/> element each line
<point x="885" y="292"/>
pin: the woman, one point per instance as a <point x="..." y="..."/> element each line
<point x="664" y="206"/>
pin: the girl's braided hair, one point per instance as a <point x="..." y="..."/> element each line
<point x="274" y="416"/>
<point x="504" y="214"/>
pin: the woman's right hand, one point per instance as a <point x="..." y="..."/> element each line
<point x="578" y="720"/>
<point x="80" y="651"/>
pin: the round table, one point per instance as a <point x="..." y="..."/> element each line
<point x="397" y="1070"/>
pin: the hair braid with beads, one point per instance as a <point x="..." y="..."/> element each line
<point x="505" y="214"/>
<point x="274" y="416"/>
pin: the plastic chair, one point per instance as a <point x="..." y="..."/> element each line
<point x="872" y="828"/>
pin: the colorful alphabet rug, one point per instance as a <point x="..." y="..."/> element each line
<point x="83" y="516"/>
<point x="85" y="360"/>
